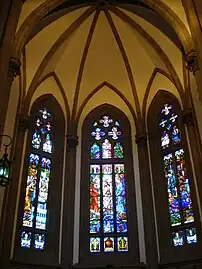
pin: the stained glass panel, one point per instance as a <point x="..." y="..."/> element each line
<point x="39" y="241"/>
<point x="108" y="244"/>
<point x="26" y="239"/>
<point x="106" y="149"/>
<point x="108" y="210"/>
<point x="37" y="182"/>
<point x="94" y="244"/>
<point x="30" y="195"/>
<point x="122" y="244"/>
<point x="118" y="151"/>
<point x="191" y="236"/>
<point x="36" y="140"/>
<point x="98" y="133"/>
<point x="95" y="151"/>
<point x="48" y="144"/>
<point x="178" y="238"/>
<point x="170" y="133"/>
<point x="173" y="199"/>
<point x="184" y="187"/>
<point x="178" y="187"/>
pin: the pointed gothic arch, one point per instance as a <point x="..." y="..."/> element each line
<point x="178" y="223"/>
<point x="38" y="224"/>
<point x="121" y="232"/>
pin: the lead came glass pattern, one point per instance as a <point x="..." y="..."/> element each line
<point x="108" y="224"/>
<point x="175" y="172"/>
<point x="35" y="217"/>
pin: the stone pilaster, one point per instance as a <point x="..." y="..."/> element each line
<point x="69" y="198"/>
<point x="195" y="147"/>
<point x="147" y="201"/>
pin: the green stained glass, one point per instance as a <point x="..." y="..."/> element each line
<point x="118" y="151"/>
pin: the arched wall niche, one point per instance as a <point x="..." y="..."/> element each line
<point x="168" y="253"/>
<point x="50" y="255"/>
<point x="132" y="256"/>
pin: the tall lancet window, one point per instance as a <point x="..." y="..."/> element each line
<point x="38" y="226"/>
<point x="108" y="220"/>
<point x="177" y="215"/>
<point x="178" y="183"/>
<point x="35" y="217"/>
<point x="107" y="191"/>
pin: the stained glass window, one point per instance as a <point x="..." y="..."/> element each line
<point x="177" y="179"/>
<point x="108" y="220"/>
<point x="35" y="216"/>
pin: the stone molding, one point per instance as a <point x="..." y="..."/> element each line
<point x="191" y="60"/>
<point x="14" y="68"/>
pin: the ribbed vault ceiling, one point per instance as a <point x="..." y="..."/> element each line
<point x="102" y="43"/>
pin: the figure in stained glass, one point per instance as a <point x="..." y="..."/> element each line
<point x="165" y="140"/>
<point x="175" y="135"/>
<point x="106" y="149"/>
<point x="118" y="151"/>
<point x="178" y="187"/>
<point x="37" y="182"/>
<point x="95" y="151"/>
<point x="36" y="140"/>
<point x="107" y="201"/>
<point x="48" y="144"/>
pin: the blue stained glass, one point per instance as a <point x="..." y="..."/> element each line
<point x="108" y="225"/>
<point x="26" y="239"/>
<point x="39" y="241"/>
<point x="48" y="144"/>
<point x="36" y="140"/>
<point x="34" y="159"/>
<point x="98" y="133"/>
<point x="191" y="236"/>
<point x="41" y="216"/>
<point x="46" y="163"/>
<point x="94" y="226"/>
<point x="175" y="135"/>
<point x="120" y="184"/>
<point x="95" y="151"/>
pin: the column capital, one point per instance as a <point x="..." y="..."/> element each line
<point x="191" y="60"/>
<point x="141" y="139"/>
<point x="72" y="142"/>
<point x="24" y="123"/>
<point x="14" y="68"/>
<point x="187" y="117"/>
